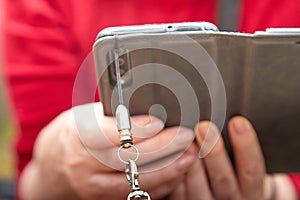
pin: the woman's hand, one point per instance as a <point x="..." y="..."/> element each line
<point x="215" y="177"/>
<point x="75" y="158"/>
<point x="245" y="179"/>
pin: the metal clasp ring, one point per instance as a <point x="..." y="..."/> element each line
<point x="126" y="162"/>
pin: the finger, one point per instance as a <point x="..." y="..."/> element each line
<point x="219" y="168"/>
<point x="97" y="131"/>
<point x="197" y="186"/>
<point x="142" y="126"/>
<point x="154" y="153"/>
<point x="179" y="193"/>
<point x="174" y="173"/>
<point x="169" y="143"/>
<point x="99" y="186"/>
<point x="155" y="150"/>
<point x="158" y="184"/>
<point x="164" y="190"/>
<point x="248" y="158"/>
<point x="102" y="186"/>
<point x="153" y="179"/>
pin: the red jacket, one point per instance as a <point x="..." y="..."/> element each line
<point x="45" y="42"/>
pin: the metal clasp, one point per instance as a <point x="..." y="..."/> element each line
<point x="132" y="175"/>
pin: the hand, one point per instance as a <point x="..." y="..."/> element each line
<point x="246" y="182"/>
<point x="71" y="164"/>
<point x="214" y="176"/>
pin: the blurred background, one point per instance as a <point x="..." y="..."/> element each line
<point x="6" y="157"/>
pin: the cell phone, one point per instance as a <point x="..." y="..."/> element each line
<point x="129" y="59"/>
<point x="259" y="73"/>
<point x="156" y="28"/>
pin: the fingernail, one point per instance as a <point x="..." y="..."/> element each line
<point x="197" y="134"/>
<point x="146" y="126"/>
<point x="141" y="121"/>
<point x="196" y="128"/>
<point x="185" y="162"/>
<point x="184" y="136"/>
<point x="212" y="133"/>
<point x="155" y="122"/>
<point x="241" y="125"/>
<point x="146" y="121"/>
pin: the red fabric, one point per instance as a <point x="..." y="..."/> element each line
<point x="296" y="181"/>
<point x="258" y="15"/>
<point x="45" y="42"/>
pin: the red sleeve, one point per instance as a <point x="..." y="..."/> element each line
<point x="295" y="178"/>
<point x="40" y="63"/>
<point x="46" y="41"/>
<point x="258" y="15"/>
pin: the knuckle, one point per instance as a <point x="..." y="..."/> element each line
<point x="252" y="172"/>
<point x="223" y="179"/>
<point x="224" y="188"/>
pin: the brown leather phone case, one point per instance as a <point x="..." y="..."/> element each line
<point x="260" y="72"/>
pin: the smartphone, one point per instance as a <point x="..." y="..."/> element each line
<point x="136" y="47"/>
<point x="156" y="28"/>
<point x="259" y="73"/>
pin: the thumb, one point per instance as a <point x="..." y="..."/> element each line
<point x="145" y="126"/>
<point x="98" y="131"/>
